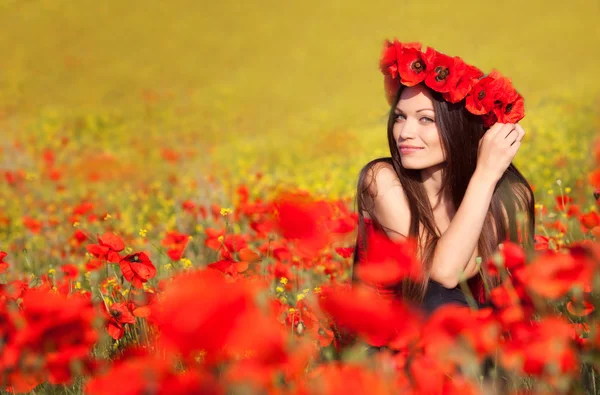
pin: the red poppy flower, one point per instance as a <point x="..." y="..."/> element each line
<point x="347" y="378"/>
<point x="590" y="220"/>
<point x="533" y="345"/>
<point x="119" y="315"/>
<point x="212" y="238"/>
<point x="345" y="252"/>
<point x="3" y="265"/>
<point x="489" y="119"/>
<point x="79" y="237"/>
<point x="175" y="239"/>
<point x="412" y="66"/>
<point x="189" y="206"/>
<point x="554" y="274"/>
<point x="469" y="76"/>
<point x="386" y="262"/>
<point x="108" y="247"/>
<point x="388" y="63"/>
<point x="558" y="225"/>
<point x="362" y="310"/>
<point x="137" y="268"/>
<point x="301" y="218"/>
<point x="56" y="332"/>
<point x="70" y="271"/>
<point x="594" y="178"/>
<point x="511" y="112"/>
<point x="400" y="62"/>
<point x="199" y="310"/>
<point x="508" y="104"/>
<point x="279" y="270"/>
<point x="93" y="264"/>
<point x="513" y="257"/>
<point x="175" y="253"/>
<point x="14" y="290"/>
<point x="34" y="225"/>
<point x="228" y="266"/>
<point x="429" y="376"/>
<point x="573" y="211"/>
<point x="143" y="374"/>
<point x="112" y="241"/>
<point x="481" y="99"/>
<point x="215" y="210"/>
<point x="442" y="75"/>
<point x="248" y="255"/>
<point x="563" y="201"/>
<point x="141" y="302"/>
<point x="450" y="323"/>
<point x="83" y="208"/>
<point x="16" y="177"/>
<point x="176" y="243"/>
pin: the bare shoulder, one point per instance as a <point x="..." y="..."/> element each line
<point x="378" y="178"/>
<point x="382" y="190"/>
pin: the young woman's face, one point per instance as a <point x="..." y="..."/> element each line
<point x="415" y="127"/>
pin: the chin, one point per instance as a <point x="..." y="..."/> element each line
<point x="407" y="164"/>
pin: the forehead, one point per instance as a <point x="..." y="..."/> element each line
<point x="414" y="98"/>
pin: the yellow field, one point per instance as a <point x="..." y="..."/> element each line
<point x="289" y="87"/>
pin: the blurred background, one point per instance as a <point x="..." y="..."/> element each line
<point x="146" y="90"/>
<point x="160" y="125"/>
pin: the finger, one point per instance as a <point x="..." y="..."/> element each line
<point x="508" y="130"/>
<point x="503" y="131"/>
<point x="521" y="131"/>
<point x="513" y="136"/>
<point x="493" y="131"/>
<point x="508" y="136"/>
<point x="514" y="148"/>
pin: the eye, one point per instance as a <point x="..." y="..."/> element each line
<point x="398" y="116"/>
<point x="428" y="119"/>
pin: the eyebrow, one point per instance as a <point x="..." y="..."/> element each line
<point x="423" y="109"/>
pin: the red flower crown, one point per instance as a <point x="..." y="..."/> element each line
<point x="493" y="96"/>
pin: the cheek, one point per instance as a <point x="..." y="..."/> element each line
<point x="432" y="137"/>
<point x="396" y="132"/>
<point x="434" y="143"/>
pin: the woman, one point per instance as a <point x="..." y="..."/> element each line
<point x="449" y="182"/>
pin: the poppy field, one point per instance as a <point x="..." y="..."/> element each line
<point x="177" y="213"/>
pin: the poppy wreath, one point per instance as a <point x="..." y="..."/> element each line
<point x="493" y="97"/>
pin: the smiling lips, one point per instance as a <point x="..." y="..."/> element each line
<point x="408" y="149"/>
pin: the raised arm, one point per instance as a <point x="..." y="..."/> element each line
<point x="452" y="258"/>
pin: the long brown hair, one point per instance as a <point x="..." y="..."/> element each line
<point x="460" y="132"/>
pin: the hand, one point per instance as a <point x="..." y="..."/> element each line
<point x="497" y="148"/>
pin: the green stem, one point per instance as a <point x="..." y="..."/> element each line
<point x="468" y="294"/>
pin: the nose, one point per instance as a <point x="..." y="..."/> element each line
<point x="408" y="130"/>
